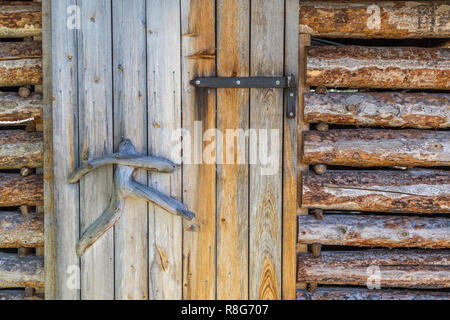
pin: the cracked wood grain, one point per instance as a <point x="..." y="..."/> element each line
<point x="17" y="110"/>
<point x="18" y="20"/>
<point x="18" y="231"/>
<point x="16" y="190"/>
<point x="19" y="149"/>
<point x="21" y="272"/>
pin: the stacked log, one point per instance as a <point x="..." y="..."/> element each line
<point x="333" y="293"/>
<point x="379" y="67"/>
<point x="384" y="268"/>
<point x="20" y="20"/>
<point x="20" y="63"/>
<point x="375" y="231"/>
<point x="412" y="191"/>
<point x="19" y="231"/>
<point x="17" y="190"/>
<point x="15" y="110"/>
<point x="384" y="109"/>
<point x="377" y="148"/>
<point x="17" y="272"/>
<point x="20" y="149"/>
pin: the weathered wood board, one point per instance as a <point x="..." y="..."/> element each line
<point x="377" y="148"/>
<point x="199" y="178"/>
<point x="21" y="272"/>
<point x="20" y="20"/>
<point x="65" y="137"/>
<point x="412" y="191"/>
<point x="383" y="268"/>
<point x="18" y="231"/>
<point x="375" y="19"/>
<point x="16" y="190"/>
<point x="130" y="121"/>
<point x="95" y="129"/>
<point x="266" y="113"/>
<point x="164" y="89"/>
<point x="379" y="67"/>
<point x="375" y="231"/>
<point x="16" y="110"/>
<point x="332" y="293"/>
<point x="19" y="149"/>
<point x="233" y="39"/>
<point x="16" y="295"/>
<point x="389" y="109"/>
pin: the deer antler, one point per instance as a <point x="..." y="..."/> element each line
<point x="128" y="160"/>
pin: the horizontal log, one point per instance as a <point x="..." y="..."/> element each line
<point x="375" y="231"/>
<point x="20" y="63"/>
<point x="18" y="231"/>
<point x="375" y="19"/>
<point x="377" y="148"/>
<point x="18" y="20"/>
<point x="393" y="268"/>
<point x="21" y="272"/>
<point x="20" y="149"/>
<point x="16" y="110"/>
<point x="388" y="109"/>
<point x="412" y="191"/>
<point x="332" y="293"/>
<point x="17" y="295"/>
<point x="379" y="67"/>
<point x="16" y="190"/>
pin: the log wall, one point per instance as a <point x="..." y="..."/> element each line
<point x="18" y="272"/>
<point x="19" y="149"/>
<point x="20" y="19"/>
<point x="19" y="231"/>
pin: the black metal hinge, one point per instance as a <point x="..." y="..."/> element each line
<point x="254" y="82"/>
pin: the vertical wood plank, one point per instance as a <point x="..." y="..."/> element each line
<point x="96" y="139"/>
<point x="304" y="41"/>
<point x="199" y="178"/>
<point x="290" y="203"/>
<point x="164" y="119"/>
<point x="266" y="112"/>
<point x="49" y="217"/>
<point x="233" y="41"/>
<point x="65" y="153"/>
<point x="130" y="121"/>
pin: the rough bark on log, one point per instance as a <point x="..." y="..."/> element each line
<point x="20" y="149"/>
<point x="18" y="20"/>
<point x="375" y="231"/>
<point x="379" y="67"/>
<point x="16" y="110"/>
<point x="377" y="148"/>
<point x="16" y="190"/>
<point x="20" y="63"/>
<point x="379" y="19"/>
<point x="413" y="191"/>
<point x="389" y="109"/>
<point x="18" y="231"/>
<point x="333" y="293"/>
<point x="386" y="268"/>
<point x="17" y="273"/>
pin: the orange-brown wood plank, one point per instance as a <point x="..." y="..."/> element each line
<point x="389" y="109"/>
<point x="17" y="230"/>
<point x="199" y="177"/>
<point x="20" y="149"/>
<point x="380" y="268"/>
<point x="233" y="41"/>
<point x="379" y="67"/>
<point x="20" y="19"/>
<point x="376" y="19"/>
<point x="16" y="190"/>
<point x="335" y="293"/>
<point x="412" y="191"/>
<point x="375" y="231"/>
<point x="377" y="148"/>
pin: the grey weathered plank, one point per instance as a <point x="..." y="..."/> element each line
<point x="199" y="178"/>
<point x="65" y="137"/>
<point x="266" y="113"/>
<point x="96" y="139"/>
<point x="130" y="121"/>
<point x="164" y="92"/>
